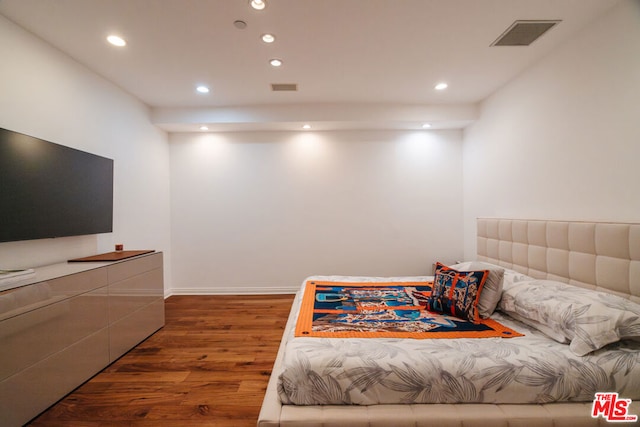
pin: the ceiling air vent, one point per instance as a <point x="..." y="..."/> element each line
<point x="523" y="33"/>
<point x="284" y="87"/>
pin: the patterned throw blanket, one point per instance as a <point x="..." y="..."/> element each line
<point x="382" y="310"/>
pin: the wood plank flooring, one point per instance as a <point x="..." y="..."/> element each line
<point x="208" y="366"/>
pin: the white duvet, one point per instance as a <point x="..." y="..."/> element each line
<point x="528" y="369"/>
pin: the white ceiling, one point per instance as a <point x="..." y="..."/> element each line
<point x="350" y="58"/>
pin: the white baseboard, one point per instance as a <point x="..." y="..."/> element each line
<point x="232" y="290"/>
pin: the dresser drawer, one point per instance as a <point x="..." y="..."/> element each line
<point x="124" y="270"/>
<point x="37" y="334"/>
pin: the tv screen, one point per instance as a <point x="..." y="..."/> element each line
<point x="49" y="190"/>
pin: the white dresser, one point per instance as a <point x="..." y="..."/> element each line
<point x="67" y="323"/>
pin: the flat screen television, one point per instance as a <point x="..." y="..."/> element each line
<point x="49" y="190"/>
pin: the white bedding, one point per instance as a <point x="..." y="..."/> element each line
<point x="529" y="369"/>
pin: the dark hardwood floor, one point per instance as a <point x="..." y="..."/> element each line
<point x="208" y="366"/>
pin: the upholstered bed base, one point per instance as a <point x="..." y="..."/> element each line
<point x="438" y="415"/>
<point x="605" y="256"/>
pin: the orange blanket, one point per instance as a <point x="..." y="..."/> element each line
<point x="382" y="310"/>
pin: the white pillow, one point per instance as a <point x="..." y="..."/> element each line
<point x="556" y="336"/>
<point x="588" y="319"/>
<point x="492" y="289"/>
<point x="511" y="276"/>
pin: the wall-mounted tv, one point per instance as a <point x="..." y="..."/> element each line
<point x="49" y="190"/>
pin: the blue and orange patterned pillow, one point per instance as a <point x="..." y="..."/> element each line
<point x="457" y="292"/>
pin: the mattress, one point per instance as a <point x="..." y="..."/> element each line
<point x="520" y="370"/>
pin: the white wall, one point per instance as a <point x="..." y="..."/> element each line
<point x="46" y="94"/>
<point x="562" y="141"/>
<point x="260" y="211"/>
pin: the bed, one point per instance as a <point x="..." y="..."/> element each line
<point x="603" y="258"/>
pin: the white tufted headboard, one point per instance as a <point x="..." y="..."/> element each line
<point x="599" y="255"/>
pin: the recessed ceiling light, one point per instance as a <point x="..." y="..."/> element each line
<point x="268" y="38"/>
<point x="441" y="86"/>
<point x="116" y="40"/>
<point x="258" y="4"/>
<point x="306" y="126"/>
<point x="426" y="125"/>
<point x="202" y="89"/>
<point x="275" y="62"/>
<point x="204" y="128"/>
